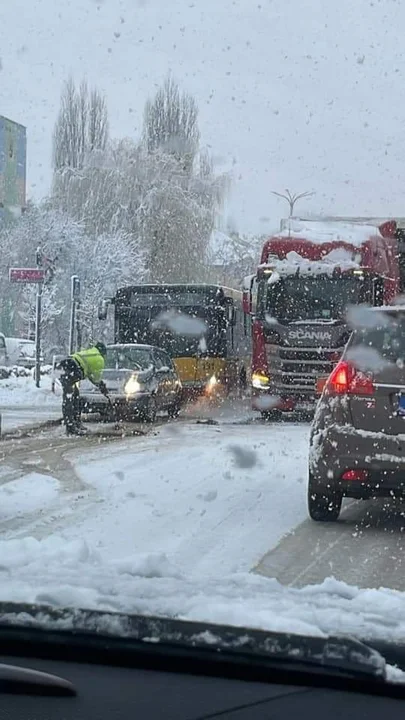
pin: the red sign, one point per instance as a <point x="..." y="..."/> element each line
<point x="26" y="275"/>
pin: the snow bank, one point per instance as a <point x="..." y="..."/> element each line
<point x="74" y="574"/>
<point x="7" y="371"/>
<point x="325" y="232"/>
<point x="21" y="391"/>
<point x="28" y="494"/>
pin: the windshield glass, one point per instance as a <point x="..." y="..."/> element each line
<point x="156" y="159"/>
<point x="388" y="340"/>
<point x="142" y="325"/>
<point x="319" y="297"/>
<point x="127" y="358"/>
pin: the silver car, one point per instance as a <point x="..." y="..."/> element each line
<point x="141" y="379"/>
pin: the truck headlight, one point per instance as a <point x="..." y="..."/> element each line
<point x="260" y="380"/>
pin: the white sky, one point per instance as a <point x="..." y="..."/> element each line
<point x="304" y="94"/>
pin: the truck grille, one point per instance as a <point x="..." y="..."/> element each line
<point x="295" y="370"/>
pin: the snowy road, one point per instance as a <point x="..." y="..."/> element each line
<point x="366" y="548"/>
<point x="172" y="523"/>
<point x="212" y="499"/>
<point x="22" y="417"/>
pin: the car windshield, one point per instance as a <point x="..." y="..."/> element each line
<point x="171" y="435"/>
<point x="319" y="297"/>
<point x="124" y="358"/>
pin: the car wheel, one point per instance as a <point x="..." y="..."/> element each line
<point x="173" y="411"/>
<point x="324" y="505"/>
<point x="149" y="414"/>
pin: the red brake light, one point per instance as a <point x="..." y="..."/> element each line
<point x="346" y="380"/>
<point x="360" y="475"/>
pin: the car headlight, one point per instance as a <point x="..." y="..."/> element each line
<point x="260" y="380"/>
<point x="132" y="386"/>
<point x="211" y="384"/>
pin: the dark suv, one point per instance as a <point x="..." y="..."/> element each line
<point x="357" y="442"/>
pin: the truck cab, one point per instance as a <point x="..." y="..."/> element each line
<point x="310" y="273"/>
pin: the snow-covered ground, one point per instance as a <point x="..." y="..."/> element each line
<point x="22" y="404"/>
<point x="19" y="418"/>
<point x="22" y="392"/>
<point x="171" y="524"/>
<point x="213" y="499"/>
<point x="73" y="574"/>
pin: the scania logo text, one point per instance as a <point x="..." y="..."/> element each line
<point x="308" y="335"/>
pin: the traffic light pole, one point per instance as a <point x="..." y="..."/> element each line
<point x="33" y="276"/>
<point x="74" y="300"/>
<point x="38" y="314"/>
<point x="72" y="326"/>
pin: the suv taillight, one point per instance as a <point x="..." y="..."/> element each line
<point x="346" y="380"/>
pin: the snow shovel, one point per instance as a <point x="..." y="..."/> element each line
<point x="114" y="414"/>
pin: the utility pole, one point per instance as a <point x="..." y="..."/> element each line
<point x="74" y="300"/>
<point x="78" y="325"/>
<point x="33" y="276"/>
<point x="38" y="313"/>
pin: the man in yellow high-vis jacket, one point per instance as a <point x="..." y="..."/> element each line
<point x="82" y="365"/>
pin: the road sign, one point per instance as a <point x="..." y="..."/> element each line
<point x="26" y="275"/>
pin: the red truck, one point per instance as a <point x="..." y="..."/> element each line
<point x="309" y="273"/>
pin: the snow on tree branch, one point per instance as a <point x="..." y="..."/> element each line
<point x="161" y="192"/>
<point x="103" y="263"/>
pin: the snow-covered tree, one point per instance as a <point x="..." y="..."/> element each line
<point x="102" y="263"/>
<point x="171" y="124"/>
<point x="81" y="126"/>
<point x="105" y="194"/>
<point x="180" y="210"/>
<point x="233" y="256"/>
<point x="161" y="192"/>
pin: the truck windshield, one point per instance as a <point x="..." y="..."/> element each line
<point x="320" y="297"/>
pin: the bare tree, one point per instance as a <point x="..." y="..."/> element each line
<point x="161" y="192"/>
<point x="171" y="124"/>
<point x="292" y="198"/>
<point x="81" y="126"/>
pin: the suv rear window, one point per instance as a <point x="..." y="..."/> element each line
<point x="388" y="339"/>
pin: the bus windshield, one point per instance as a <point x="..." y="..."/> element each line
<point x="136" y="324"/>
<point x="319" y="297"/>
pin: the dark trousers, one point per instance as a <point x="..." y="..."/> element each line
<point x="72" y="374"/>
